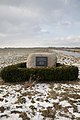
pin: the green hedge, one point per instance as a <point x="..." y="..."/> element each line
<point x="19" y="73"/>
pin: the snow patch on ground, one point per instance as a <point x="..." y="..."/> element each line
<point x="64" y="103"/>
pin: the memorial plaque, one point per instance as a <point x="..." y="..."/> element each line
<point x="41" y="61"/>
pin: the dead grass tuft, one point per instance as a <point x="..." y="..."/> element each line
<point x="24" y="116"/>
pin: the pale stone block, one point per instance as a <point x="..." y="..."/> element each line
<point x="40" y="60"/>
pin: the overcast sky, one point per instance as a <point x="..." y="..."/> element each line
<point x="30" y="23"/>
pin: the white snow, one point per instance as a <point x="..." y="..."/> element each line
<point x="76" y="114"/>
<point x="78" y="107"/>
<point x="64" y="103"/>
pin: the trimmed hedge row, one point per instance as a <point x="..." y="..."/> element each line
<point x="19" y="73"/>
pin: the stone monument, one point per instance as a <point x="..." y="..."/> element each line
<point x="41" y="60"/>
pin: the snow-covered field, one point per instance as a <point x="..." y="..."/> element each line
<point x="39" y="101"/>
<point x="50" y="101"/>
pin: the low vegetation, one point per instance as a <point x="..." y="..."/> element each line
<point x="19" y="73"/>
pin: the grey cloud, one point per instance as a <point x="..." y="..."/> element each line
<point x="38" y="21"/>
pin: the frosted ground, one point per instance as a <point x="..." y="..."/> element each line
<point x="39" y="101"/>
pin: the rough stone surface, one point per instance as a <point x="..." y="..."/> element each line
<point x="31" y="61"/>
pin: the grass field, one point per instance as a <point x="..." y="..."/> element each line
<point x="35" y="100"/>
